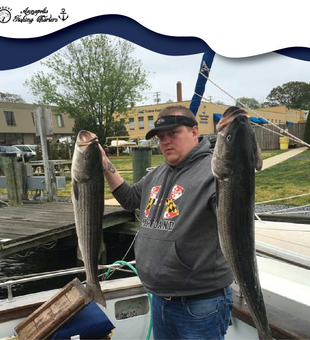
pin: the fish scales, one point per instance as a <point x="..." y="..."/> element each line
<point x="88" y="206"/>
<point x="89" y="211"/>
<point x="236" y="155"/>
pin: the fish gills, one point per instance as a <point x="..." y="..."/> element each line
<point x="236" y="156"/>
<point x="88" y="205"/>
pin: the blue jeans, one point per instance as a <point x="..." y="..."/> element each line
<point x="206" y="319"/>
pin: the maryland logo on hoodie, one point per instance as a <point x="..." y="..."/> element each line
<point x="172" y="209"/>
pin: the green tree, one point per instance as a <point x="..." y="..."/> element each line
<point x="11" y="98"/>
<point x="92" y="80"/>
<point x="294" y="95"/>
<point x="252" y="103"/>
<point x="307" y="130"/>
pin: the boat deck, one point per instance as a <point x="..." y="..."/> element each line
<point x="29" y="225"/>
<point x="288" y="241"/>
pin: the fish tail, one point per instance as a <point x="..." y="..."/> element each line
<point x="265" y="335"/>
<point x="95" y="292"/>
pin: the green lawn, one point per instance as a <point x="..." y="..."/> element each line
<point x="289" y="178"/>
<point x="286" y="179"/>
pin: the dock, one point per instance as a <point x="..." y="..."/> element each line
<point x="32" y="224"/>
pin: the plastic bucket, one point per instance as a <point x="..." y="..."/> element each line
<point x="284" y="141"/>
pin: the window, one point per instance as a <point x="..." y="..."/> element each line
<point x="60" y="121"/>
<point x="141" y="122"/>
<point x="131" y="124"/>
<point x="9" y="117"/>
<point x="33" y="118"/>
<point x="150" y="122"/>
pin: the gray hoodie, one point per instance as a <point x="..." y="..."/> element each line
<point x="177" y="249"/>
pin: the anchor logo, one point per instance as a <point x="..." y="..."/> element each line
<point x="5" y="14"/>
<point x="63" y="15"/>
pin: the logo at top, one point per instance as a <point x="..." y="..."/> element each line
<point x="5" y="14"/>
<point x="63" y="15"/>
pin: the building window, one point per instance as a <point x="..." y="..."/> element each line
<point x="60" y="121"/>
<point x="33" y="118"/>
<point x="150" y="122"/>
<point x="141" y="122"/>
<point x="131" y="124"/>
<point x="9" y="117"/>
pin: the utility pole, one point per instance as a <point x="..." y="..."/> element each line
<point x="156" y="97"/>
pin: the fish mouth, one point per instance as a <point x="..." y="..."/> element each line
<point x="228" y="118"/>
<point x="85" y="138"/>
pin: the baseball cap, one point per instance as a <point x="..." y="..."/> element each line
<point x="167" y="123"/>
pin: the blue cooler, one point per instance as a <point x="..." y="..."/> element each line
<point x="90" y="323"/>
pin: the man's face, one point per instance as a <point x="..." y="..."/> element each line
<point x="177" y="143"/>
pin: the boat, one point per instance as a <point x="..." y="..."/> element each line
<point x="284" y="276"/>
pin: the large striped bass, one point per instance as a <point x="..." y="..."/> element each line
<point x="88" y="205"/>
<point x="236" y="156"/>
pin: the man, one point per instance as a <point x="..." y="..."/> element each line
<point x="178" y="255"/>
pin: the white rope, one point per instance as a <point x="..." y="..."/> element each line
<point x="282" y="199"/>
<point x="292" y="137"/>
<point x="286" y="209"/>
<point x="4" y="203"/>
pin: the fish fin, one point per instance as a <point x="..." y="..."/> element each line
<point x="75" y="189"/>
<point x="101" y="249"/>
<point x="95" y="292"/>
<point x="265" y="335"/>
<point x="258" y="158"/>
<point x="79" y="254"/>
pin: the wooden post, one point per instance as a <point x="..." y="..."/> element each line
<point x="53" y="181"/>
<point x="24" y="173"/>
<point x="40" y="120"/>
<point x="12" y="178"/>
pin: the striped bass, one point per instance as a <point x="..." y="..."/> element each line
<point x="236" y="156"/>
<point x="88" y="206"/>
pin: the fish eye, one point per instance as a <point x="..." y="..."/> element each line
<point x="228" y="137"/>
<point x="86" y="155"/>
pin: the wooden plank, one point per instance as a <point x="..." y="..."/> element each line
<point x="30" y="225"/>
<point x="48" y="318"/>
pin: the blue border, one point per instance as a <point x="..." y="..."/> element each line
<point x="21" y="52"/>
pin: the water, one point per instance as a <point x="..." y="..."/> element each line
<point x="57" y="258"/>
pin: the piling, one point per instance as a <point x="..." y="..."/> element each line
<point x="12" y="178"/>
<point x="141" y="160"/>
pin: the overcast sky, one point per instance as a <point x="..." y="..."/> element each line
<point x="252" y="77"/>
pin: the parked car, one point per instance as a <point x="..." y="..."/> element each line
<point x="27" y="150"/>
<point x="212" y="139"/>
<point x="11" y="149"/>
<point x="150" y="142"/>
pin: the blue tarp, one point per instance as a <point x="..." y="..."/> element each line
<point x="287" y="122"/>
<point x="255" y="120"/>
<point x="263" y="121"/>
<point x="205" y="67"/>
<point x="216" y="117"/>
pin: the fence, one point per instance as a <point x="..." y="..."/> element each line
<point x="268" y="140"/>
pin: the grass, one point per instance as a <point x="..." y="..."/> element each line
<point x="289" y="178"/>
<point x="123" y="164"/>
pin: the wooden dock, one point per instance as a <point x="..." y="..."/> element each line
<point x="30" y="225"/>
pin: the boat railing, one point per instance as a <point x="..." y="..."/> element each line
<point x="43" y="276"/>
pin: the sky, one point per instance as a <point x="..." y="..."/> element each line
<point x="252" y="77"/>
